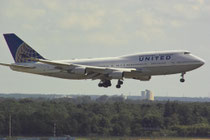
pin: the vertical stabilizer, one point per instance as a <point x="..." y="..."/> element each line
<point x="20" y="51"/>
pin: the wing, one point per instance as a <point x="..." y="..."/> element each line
<point x="17" y="66"/>
<point x="91" y="72"/>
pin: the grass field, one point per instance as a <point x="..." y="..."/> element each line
<point x="128" y="138"/>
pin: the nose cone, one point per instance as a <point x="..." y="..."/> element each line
<point x="198" y="61"/>
<point x="202" y="62"/>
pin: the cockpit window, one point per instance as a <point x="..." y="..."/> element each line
<point x="186" y="52"/>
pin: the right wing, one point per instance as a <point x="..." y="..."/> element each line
<point x="17" y="66"/>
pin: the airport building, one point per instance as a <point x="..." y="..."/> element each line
<point x="147" y="95"/>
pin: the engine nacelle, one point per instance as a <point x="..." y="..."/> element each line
<point x="143" y="78"/>
<point x="117" y="75"/>
<point x="79" y="70"/>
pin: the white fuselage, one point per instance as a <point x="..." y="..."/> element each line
<point x="145" y="64"/>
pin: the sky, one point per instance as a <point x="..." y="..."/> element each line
<point x="68" y="29"/>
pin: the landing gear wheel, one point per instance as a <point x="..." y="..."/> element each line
<point x="105" y="83"/>
<point x="100" y="85"/>
<point x="119" y="83"/>
<point x="118" y="86"/>
<point x="182" y="80"/>
<point x="106" y="86"/>
<point x="108" y="83"/>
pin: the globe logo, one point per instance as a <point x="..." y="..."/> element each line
<point x="24" y="53"/>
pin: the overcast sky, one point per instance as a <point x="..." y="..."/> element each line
<point x="66" y="29"/>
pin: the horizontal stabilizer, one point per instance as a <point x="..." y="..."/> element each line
<point x="3" y="64"/>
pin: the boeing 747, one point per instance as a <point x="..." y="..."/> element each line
<point x="139" y="66"/>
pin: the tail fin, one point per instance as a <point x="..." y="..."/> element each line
<point x="20" y="51"/>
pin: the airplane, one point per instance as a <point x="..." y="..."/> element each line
<point x="139" y="66"/>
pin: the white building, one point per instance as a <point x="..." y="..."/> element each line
<point x="143" y="95"/>
<point x="147" y="95"/>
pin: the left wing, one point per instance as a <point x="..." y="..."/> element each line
<point x="92" y="72"/>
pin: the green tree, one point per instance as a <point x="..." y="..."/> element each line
<point x="152" y="120"/>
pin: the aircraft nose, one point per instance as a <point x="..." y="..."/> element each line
<point x="202" y="61"/>
<point x="199" y="60"/>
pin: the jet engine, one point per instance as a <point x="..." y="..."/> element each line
<point x="143" y="78"/>
<point x="79" y="70"/>
<point x="117" y="75"/>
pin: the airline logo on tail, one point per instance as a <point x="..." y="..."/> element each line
<point x="24" y="53"/>
<point x="20" y="51"/>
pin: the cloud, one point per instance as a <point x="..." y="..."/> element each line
<point x="150" y="34"/>
<point x="149" y="18"/>
<point x="52" y="4"/>
<point x="21" y="10"/>
<point x="105" y="20"/>
<point x="108" y="39"/>
<point x="176" y="23"/>
<point x="187" y="11"/>
<point x="85" y="21"/>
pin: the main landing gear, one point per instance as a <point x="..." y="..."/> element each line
<point x="119" y="83"/>
<point x="104" y="83"/>
<point x="182" y="79"/>
<point x="107" y="83"/>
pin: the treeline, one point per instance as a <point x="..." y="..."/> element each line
<point x="103" y="117"/>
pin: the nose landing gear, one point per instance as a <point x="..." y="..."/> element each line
<point x="182" y="79"/>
